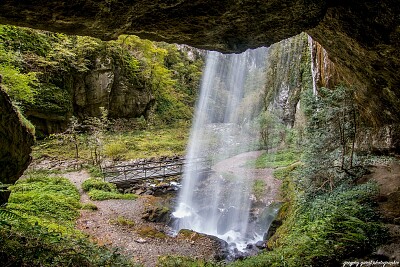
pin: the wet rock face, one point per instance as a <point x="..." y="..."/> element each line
<point x="362" y="39"/>
<point x="15" y="142"/>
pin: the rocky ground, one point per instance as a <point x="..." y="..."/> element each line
<point x="119" y="224"/>
<point x="135" y="226"/>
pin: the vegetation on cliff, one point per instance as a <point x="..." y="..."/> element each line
<point x="54" y="76"/>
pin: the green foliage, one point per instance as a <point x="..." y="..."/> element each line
<point x="52" y="99"/>
<point x="40" y="71"/>
<point x="168" y="73"/>
<point x="323" y="227"/>
<point x="18" y="85"/>
<point x="39" y="227"/>
<point x="259" y="188"/>
<point x="54" y="198"/>
<point x="89" y="206"/>
<point x="172" y="261"/>
<point x="100" y="190"/>
<point x="26" y="244"/>
<point x="98" y="184"/>
<point x="95" y="194"/>
<point x="139" y="144"/>
<point x="115" y="150"/>
<point x="6" y="216"/>
<point x="94" y="171"/>
<point x="331" y="133"/>
<point x="324" y="230"/>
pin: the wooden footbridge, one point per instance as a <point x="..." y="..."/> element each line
<point x="148" y="169"/>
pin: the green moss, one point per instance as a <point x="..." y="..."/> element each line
<point x="95" y="194"/>
<point x="54" y="198"/>
<point x="89" y="206"/>
<point x="98" y="184"/>
<point x="122" y="221"/>
<point x="149" y="231"/>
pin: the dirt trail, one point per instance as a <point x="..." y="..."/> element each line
<point x="237" y="165"/>
<point x="145" y="250"/>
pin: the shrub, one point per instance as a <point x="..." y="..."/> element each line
<point x="324" y="230"/>
<point x="95" y="194"/>
<point x="98" y="184"/>
<point x="115" y="150"/>
<point x="26" y="244"/>
<point x="89" y="206"/>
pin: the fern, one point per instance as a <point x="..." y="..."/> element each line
<point x="6" y="216"/>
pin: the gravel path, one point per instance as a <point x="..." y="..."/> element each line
<point x="146" y="250"/>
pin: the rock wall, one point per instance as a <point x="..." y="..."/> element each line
<point x="15" y="143"/>
<point x="104" y="85"/>
<point x="324" y="71"/>
<point x="376" y="138"/>
<point x="288" y="73"/>
<point x="107" y="86"/>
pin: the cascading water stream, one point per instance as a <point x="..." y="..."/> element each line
<point x="220" y="204"/>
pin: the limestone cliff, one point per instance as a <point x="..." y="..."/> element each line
<point x="105" y="84"/>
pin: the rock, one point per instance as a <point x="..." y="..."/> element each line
<point x="139" y="192"/>
<point x="260" y="244"/>
<point x="149" y="192"/>
<point x="272" y="229"/>
<point x="141" y="240"/>
<point x="156" y="214"/>
<point x="250" y="246"/>
<point x="16" y="140"/>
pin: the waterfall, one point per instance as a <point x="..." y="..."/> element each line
<point x="219" y="204"/>
<point x="314" y="68"/>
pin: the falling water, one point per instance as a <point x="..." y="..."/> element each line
<point x="219" y="204"/>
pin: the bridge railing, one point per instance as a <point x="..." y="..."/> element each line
<point x="153" y="169"/>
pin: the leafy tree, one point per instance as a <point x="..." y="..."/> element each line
<point x="331" y="134"/>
